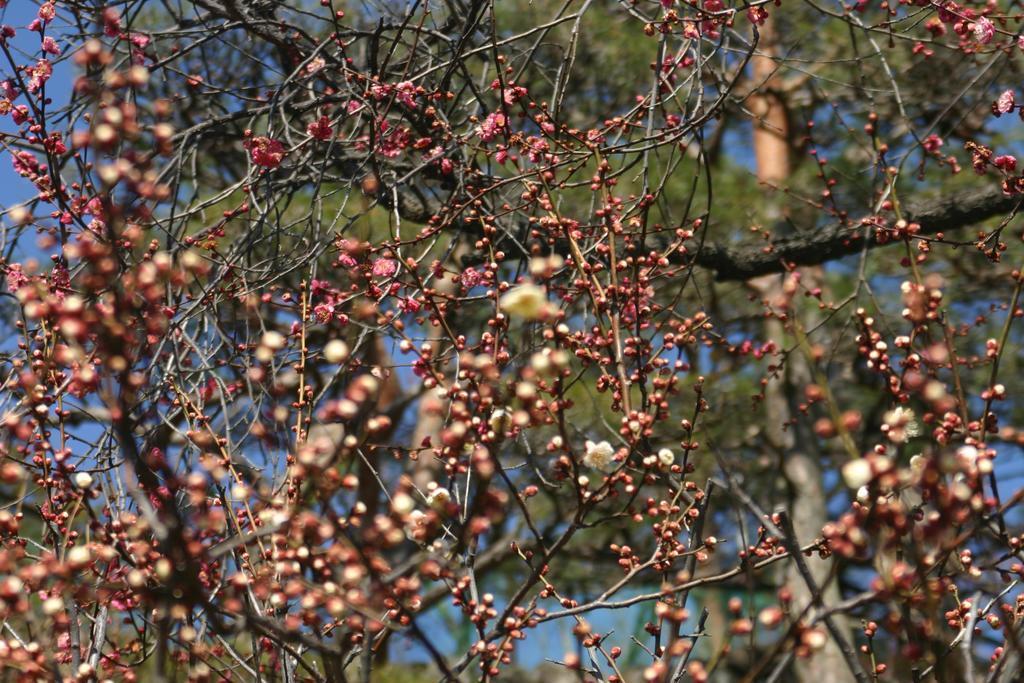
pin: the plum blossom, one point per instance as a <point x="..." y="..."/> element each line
<point x="47" y="12"/>
<point x="901" y="425"/>
<point x="39" y="75"/>
<point x="25" y="163"/>
<point x="525" y="301"/>
<point x="470" y="278"/>
<point x="498" y="421"/>
<point x="409" y="305"/>
<point x="16" y="277"/>
<point x="320" y="129"/>
<point x="512" y="95"/>
<point x="491" y="127"/>
<point x="392" y="144"/>
<point x="967" y="456"/>
<point x="323" y="312"/>
<point x="932" y="143"/>
<point x="666" y="457"/>
<point x="599" y="455"/>
<point x="20" y="114"/>
<point x="438" y="498"/>
<point x="1005" y="162"/>
<point x="385" y="267"/>
<point x="984" y="30"/>
<point x="265" y="152"/>
<point x="857" y="473"/>
<point x="1004" y="104"/>
<point x="405" y="92"/>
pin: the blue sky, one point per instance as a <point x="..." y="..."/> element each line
<point x="25" y="49"/>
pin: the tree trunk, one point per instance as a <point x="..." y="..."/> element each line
<point x="801" y="466"/>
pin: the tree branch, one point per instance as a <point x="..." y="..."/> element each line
<point x="954" y="212"/>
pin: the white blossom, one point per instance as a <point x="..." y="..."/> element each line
<point x="901" y="424"/>
<point x="336" y="351"/>
<point x="526" y="301"/>
<point x="439" y="497"/>
<point x="666" y="457"/>
<point x="857" y="473"/>
<point x="599" y="455"/>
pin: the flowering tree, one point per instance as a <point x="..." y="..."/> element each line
<point x="342" y="336"/>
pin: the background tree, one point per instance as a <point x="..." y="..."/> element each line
<point x="431" y="332"/>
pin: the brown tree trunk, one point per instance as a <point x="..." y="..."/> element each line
<point x="801" y="467"/>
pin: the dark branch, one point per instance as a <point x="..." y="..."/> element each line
<point x="954" y="212"/>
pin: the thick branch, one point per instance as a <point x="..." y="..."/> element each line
<point x="954" y="212"/>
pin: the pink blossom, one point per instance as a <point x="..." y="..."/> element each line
<point x="394" y="143"/>
<point x="537" y="148"/>
<point x="470" y="278"/>
<point x="39" y="74"/>
<point x="111" y="22"/>
<point x="932" y="143"/>
<point x="1005" y="162"/>
<point x="1005" y="103"/>
<point x="406" y="93"/>
<point x="319" y="287"/>
<point x="757" y="15"/>
<point x="25" y="163"/>
<point x="46" y="12"/>
<point x="20" y="114"/>
<point x="55" y="144"/>
<point x="514" y="94"/>
<point x="94" y="207"/>
<point x="60" y="277"/>
<point x="385" y="267"/>
<point x="491" y="127"/>
<point x="984" y="30"/>
<point x="323" y="312"/>
<point x="320" y="129"/>
<point x="265" y="152"/>
<point x="63" y="648"/>
<point x="16" y="277"/>
<point x="49" y="46"/>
